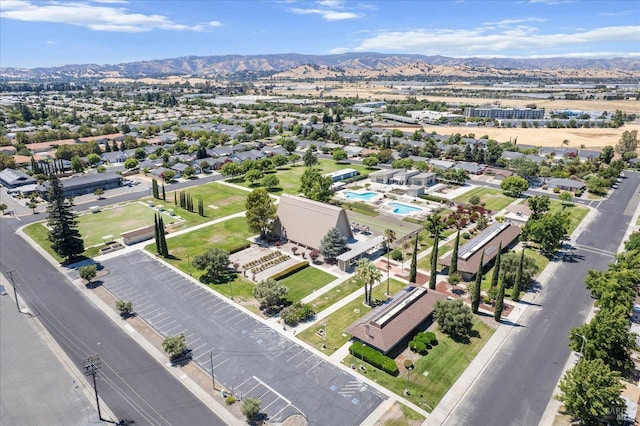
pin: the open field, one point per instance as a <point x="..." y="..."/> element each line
<point x="434" y="373"/>
<point x="343" y="317"/>
<point x="494" y="198"/>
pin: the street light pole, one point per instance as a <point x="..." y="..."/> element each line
<point x="15" y="287"/>
<point x="324" y="336"/>
<point x="92" y="367"/>
<point x="406" y="387"/>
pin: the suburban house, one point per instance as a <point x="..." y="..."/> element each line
<point x="566" y="184"/>
<point x="517" y="215"/>
<point x="306" y="222"/>
<point x="387" y="325"/>
<point x="486" y="242"/>
<point x="589" y="155"/>
<point x="383" y="176"/>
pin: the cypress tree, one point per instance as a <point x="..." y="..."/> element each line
<point x="497" y="314"/>
<point x="107" y="147"/>
<point x="63" y="234"/>
<point x="156" y="233"/>
<point x="434" y="261"/>
<point x="453" y="268"/>
<point x="475" y="297"/>
<point x="517" y="286"/>
<point x="154" y="188"/>
<point x="164" y="195"/>
<point x="414" y="261"/>
<point x="175" y="199"/>
<point x="496" y="268"/>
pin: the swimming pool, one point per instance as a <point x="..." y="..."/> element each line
<point x="365" y="196"/>
<point x="400" y="208"/>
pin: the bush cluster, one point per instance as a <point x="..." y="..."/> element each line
<point x="290" y="270"/>
<point x="230" y="400"/>
<point x="434" y="198"/>
<point x="239" y="248"/>
<point x="297" y="312"/>
<point x="374" y="357"/>
<point x="355" y="178"/>
<point x="270" y="263"/>
<point x="263" y="259"/>
<point x="396" y="254"/>
<point x="422" y="342"/>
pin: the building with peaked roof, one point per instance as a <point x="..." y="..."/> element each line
<point x="566" y="184"/>
<point x="486" y="242"/>
<point x="385" y="326"/>
<point x="306" y="222"/>
<point x="10" y="178"/>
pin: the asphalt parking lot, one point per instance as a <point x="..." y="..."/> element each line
<point x="249" y="358"/>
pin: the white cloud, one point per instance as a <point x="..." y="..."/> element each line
<point x="109" y="1"/>
<point x="51" y="42"/>
<point x="507" y="22"/>
<point x="330" y="3"/>
<point x="327" y="15"/>
<point x="482" y="41"/>
<point x="215" y="24"/>
<point x="95" y="17"/>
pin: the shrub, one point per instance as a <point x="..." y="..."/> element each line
<point x="290" y="271"/>
<point x="239" y="248"/>
<point x="466" y="235"/>
<point x="418" y="346"/>
<point x="297" y="312"/>
<point x="556" y="190"/>
<point x="396" y="254"/>
<point x="454" y="278"/>
<point x="374" y="357"/>
<point x="230" y="399"/>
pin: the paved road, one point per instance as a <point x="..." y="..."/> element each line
<point x="519" y="382"/>
<point x="248" y="356"/>
<point x="132" y="383"/>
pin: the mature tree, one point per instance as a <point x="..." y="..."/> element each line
<point x="309" y="158"/>
<point x="87" y="272"/>
<point x="175" y="346"/>
<point x="477" y="287"/>
<point x="510" y="265"/>
<point x="628" y="142"/>
<point x="453" y="267"/>
<point x="597" y="185"/>
<point x="188" y="172"/>
<point x="607" y="154"/>
<point x="230" y="169"/>
<point x="32" y="205"/>
<point x="214" y="262"/>
<point x="613" y="288"/>
<point x="289" y="145"/>
<point x="566" y="197"/>
<point x="517" y="285"/>
<point x="253" y="175"/>
<point x="130" y="163"/>
<point x="539" y="205"/>
<point x="251" y="409"/>
<point x="333" y="244"/>
<point x="369" y="274"/>
<point x="497" y="313"/>
<point x="63" y="226"/>
<point x="606" y="337"/>
<point x="124" y="307"/>
<point x="413" y="270"/>
<point x="433" y="225"/>
<point x="370" y="161"/>
<point x="524" y="167"/>
<point x="454" y="318"/>
<point x="514" y="185"/>
<point x="270" y="181"/>
<point x="548" y="231"/>
<point x="76" y="164"/>
<point x="93" y="159"/>
<point x="339" y="155"/>
<point x="261" y="212"/>
<point x="389" y="237"/>
<point x="3" y="207"/>
<point x="315" y="186"/>
<point x="271" y="294"/>
<point x="496" y="267"/>
<point x="99" y="193"/>
<point x="168" y="175"/>
<point x="633" y="243"/>
<point x="591" y="392"/>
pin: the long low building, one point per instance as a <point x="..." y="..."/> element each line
<point x="486" y="242"/>
<point x="86" y="184"/>
<point x="387" y="325"/>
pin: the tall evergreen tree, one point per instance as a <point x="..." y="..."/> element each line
<point x="433" y="223"/>
<point x="453" y="268"/>
<point x="497" y="313"/>
<point x="63" y="226"/>
<point x="163" y="249"/>
<point x="517" y="286"/>
<point x="154" y="188"/>
<point x="477" y="288"/>
<point x="414" y="262"/>
<point x="164" y="195"/>
<point x="156" y="232"/>
<point x="496" y="268"/>
<point x="175" y="198"/>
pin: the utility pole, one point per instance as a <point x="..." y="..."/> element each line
<point x="91" y="368"/>
<point x="15" y="287"/>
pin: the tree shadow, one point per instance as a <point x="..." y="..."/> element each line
<point x="465" y="339"/>
<point x="93" y="284"/>
<point x="182" y="359"/>
<point x="572" y="258"/>
<point x="222" y="279"/>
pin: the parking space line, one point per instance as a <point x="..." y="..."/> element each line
<point x="272" y="390"/>
<point x="173" y="328"/>
<point x="200" y="347"/>
<point x="223" y="361"/>
<point x="297" y="353"/>
<point x="306" y="359"/>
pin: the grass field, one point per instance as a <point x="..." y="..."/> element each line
<point x="444" y="364"/>
<point x="576" y="213"/>
<point x="494" y="198"/>
<point x="305" y="282"/>
<point x="343" y="317"/>
<point x="225" y="235"/>
<point x="115" y="221"/>
<point x="290" y="176"/>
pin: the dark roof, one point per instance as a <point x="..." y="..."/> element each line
<point x="385" y="326"/>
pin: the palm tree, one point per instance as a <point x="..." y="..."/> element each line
<point x="369" y="274"/>
<point x="389" y="236"/>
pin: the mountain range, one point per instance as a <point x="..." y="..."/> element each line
<point x="348" y="65"/>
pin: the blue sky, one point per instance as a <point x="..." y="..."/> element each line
<point x="49" y="33"/>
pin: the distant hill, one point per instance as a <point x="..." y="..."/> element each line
<point x="348" y="65"/>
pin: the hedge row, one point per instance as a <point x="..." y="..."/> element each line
<point x="434" y="198"/>
<point x="239" y="248"/>
<point x="355" y="178"/>
<point x="290" y="270"/>
<point x="374" y="357"/>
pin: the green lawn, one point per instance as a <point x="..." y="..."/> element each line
<point x="226" y="235"/>
<point x="343" y="317"/>
<point x="576" y="213"/>
<point x="219" y="201"/>
<point x="425" y="262"/>
<point x="494" y="198"/>
<point x="305" y="282"/>
<point x="327" y="299"/>
<point x="115" y="221"/>
<point x="444" y="364"/>
<point x="290" y="176"/>
<point x="381" y="223"/>
<point x="39" y="233"/>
